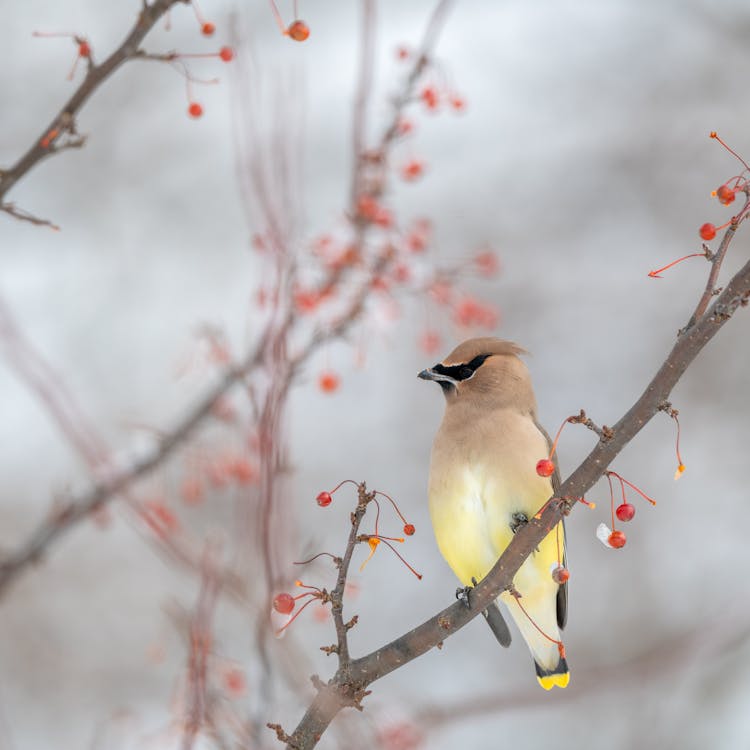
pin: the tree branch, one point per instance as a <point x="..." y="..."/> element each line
<point x="63" y="518"/>
<point x="367" y="669"/>
<point x="64" y="122"/>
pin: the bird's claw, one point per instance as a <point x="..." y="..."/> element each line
<point x="463" y="596"/>
<point x="518" y="521"/>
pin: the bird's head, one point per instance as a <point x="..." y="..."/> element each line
<point x="484" y="371"/>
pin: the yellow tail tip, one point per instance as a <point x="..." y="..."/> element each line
<point x="554" y="680"/>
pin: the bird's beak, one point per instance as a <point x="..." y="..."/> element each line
<point x="438" y="377"/>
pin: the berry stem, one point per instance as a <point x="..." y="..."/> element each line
<point x="655" y="274"/>
<point x="731" y="151"/>
<point x="277" y="16"/>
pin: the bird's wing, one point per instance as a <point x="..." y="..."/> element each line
<point x="562" y="591"/>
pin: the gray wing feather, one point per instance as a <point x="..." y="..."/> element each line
<point x="497" y="624"/>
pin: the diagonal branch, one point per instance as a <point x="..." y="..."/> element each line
<point x="367" y="669"/>
<point x="63" y="518"/>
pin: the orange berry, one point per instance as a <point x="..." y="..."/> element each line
<point x="707" y="232"/>
<point x="283" y="603"/>
<point x="725" y="194"/>
<point x="412" y="170"/>
<point x="324" y="499"/>
<point x="195" y="109"/>
<point x="409" y="529"/>
<point x="298" y="30"/>
<point x="226" y="54"/>
<point x="545" y="467"/>
<point x="617" y="539"/>
<point x="234" y="682"/>
<point x="207" y="29"/>
<point x="429" y="97"/>
<point x="487" y="263"/>
<point x="328" y="382"/>
<point x="458" y="103"/>
<point x="84" y="49"/>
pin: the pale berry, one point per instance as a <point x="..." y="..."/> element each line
<point x="283" y="603"/>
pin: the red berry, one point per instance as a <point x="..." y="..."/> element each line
<point x="84" y="50"/>
<point x="195" y="109"/>
<point x="545" y="468"/>
<point x="625" y="512"/>
<point x="324" y="499"/>
<point x="458" y="103"/>
<point x="208" y="29"/>
<point x="429" y="96"/>
<point x="725" y="194"/>
<point x="412" y="170"/>
<point x="283" y="603"/>
<point x="328" y="382"/>
<point x="707" y="232"/>
<point x="234" y="682"/>
<point x="226" y="54"/>
<point x="299" y="31"/>
<point x="409" y="529"/>
<point x="617" y="539"/>
<point x="560" y="574"/>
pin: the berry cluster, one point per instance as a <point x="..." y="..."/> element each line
<point x="726" y="194"/>
<point x="624" y="512"/>
<point x="285" y="603"/>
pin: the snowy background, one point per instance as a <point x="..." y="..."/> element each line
<point x="583" y="157"/>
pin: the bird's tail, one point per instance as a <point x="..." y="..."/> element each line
<point x="557" y="677"/>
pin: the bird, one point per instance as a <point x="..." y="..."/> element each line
<point x="484" y="486"/>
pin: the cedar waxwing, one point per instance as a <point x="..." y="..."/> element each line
<point x="484" y="486"/>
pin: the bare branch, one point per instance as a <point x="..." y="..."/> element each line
<point x="81" y="506"/>
<point x="64" y="120"/>
<point x="19" y="213"/>
<point x="716" y="260"/>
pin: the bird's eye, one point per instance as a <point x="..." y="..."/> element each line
<point x="477" y="361"/>
<point x="464" y="372"/>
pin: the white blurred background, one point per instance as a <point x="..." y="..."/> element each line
<point x="583" y="158"/>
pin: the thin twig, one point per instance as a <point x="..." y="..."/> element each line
<point x="199" y="649"/>
<point x="21" y="215"/>
<point x="364" y="88"/>
<point x="716" y="262"/>
<point x="337" y="593"/>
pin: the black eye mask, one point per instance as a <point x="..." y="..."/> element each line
<point x="461" y="372"/>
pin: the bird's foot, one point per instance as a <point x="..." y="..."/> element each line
<point x="518" y="521"/>
<point x="463" y="596"/>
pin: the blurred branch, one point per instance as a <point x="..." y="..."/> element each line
<point x="64" y="517"/>
<point x="199" y="648"/>
<point x="354" y="679"/>
<point x="661" y="659"/>
<point x="64" y="122"/>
